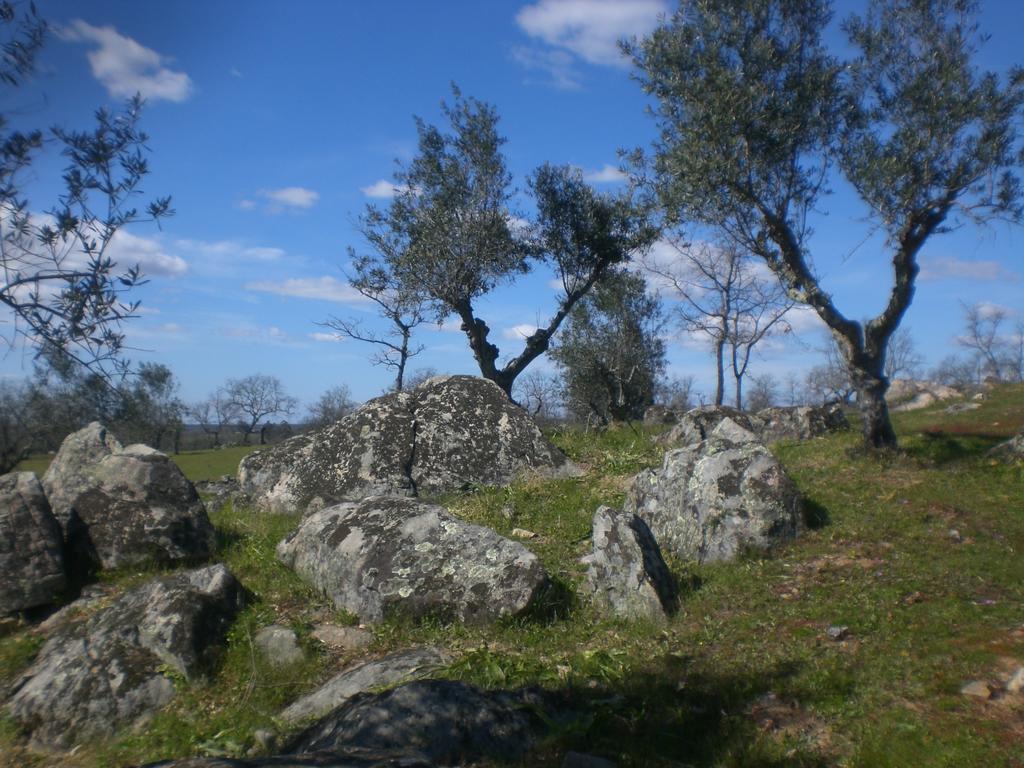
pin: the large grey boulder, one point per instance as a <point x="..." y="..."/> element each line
<point x="124" y="505"/>
<point x="449" y="722"/>
<point x="140" y="507"/>
<point x="912" y="395"/>
<point x="626" y="573"/>
<point x="801" y="422"/>
<point x="388" y="555"/>
<point x="31" y="545"/>
<point x="69" y="474"/>
<point x="697" y="423"/>
<point x="448" y="433"/>
<point x="397" y="667"/>
<point x="94" y="677"/>
<point x="714" y="499"/>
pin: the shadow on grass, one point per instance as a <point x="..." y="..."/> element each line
<point x="669" y="715"/>
<point x="556" y="601"/>
<point x="816" y="516"/>
<point x="939" y="447"/>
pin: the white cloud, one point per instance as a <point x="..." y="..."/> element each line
<point x="590" y="29"/>
<point x="557" y="65"/>
<point x="950" y="268"/>
<point x="327" y="338"/>
<point x="290" y="197"/>
<point x="322" y="288"/>
<point x="382" y="189"/>
<point x="231" y="249"/>
<point x="126" y="250"/>
<point x="125" y="67"/>
<point x="608" y="174"/>
<point x="989" y="309"/>
<point x="246" y="205"/>
<point x="519" y="332"/>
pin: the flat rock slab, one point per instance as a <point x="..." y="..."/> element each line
<point x="449" y="722"/>
<point x="713" y="499"/>
<point x="392" y="556"/>
<point x="377" y="673"/>
<point x="31" y="545"/>
<point x="448" y="433"/>
<point x="345" y="758"/>
<point x="95" y="677"/>
<point x="626" y="573"/>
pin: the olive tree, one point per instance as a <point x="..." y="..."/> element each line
<point x="58" y="285"/>
<point x="757" y="116"/>
<point x="450" y="232"/>
<point x="256" y="397"/>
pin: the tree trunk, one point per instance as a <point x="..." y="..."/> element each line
<point x="739" y="392"/>
<point x="720" y="361"/>
<point x="871" y="386"/>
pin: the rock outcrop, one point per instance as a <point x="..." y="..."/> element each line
<point x="911" y="395"/>
<point x="31" y="545"/>
<point x="398" y="667"/>
<point x="626" y="573"/>
<point x="341" y="758"/>
<point x="448" y="722"/>
<point x="69" y="474"/>
<point x="388" y="555"/>
<point x="713" y="499"/>
<point x="697" y="423"/>
<point x="108" y="671"/>
<point x="801" y="422"/>
<point x="1009" y="451"/>
<point x="448" y="433"/>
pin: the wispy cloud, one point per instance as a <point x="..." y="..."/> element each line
<point x="383" y="189"/>
<point x="951" y="268"/>
<point x="127" y="249"/>
<point x="519" y="332"/>
<point x="556" y="66"/>
<point x="590" y="29"/>
<point x="125" y="67"/>
<point x="326" y="338"/>
<point x="607" y="174"/>
<point x="291" y="198"/>
<point x="321" y="288"/>
<point x="231" y="249"/>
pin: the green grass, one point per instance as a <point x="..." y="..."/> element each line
<point x="927" y="610"/>
<point x="197" y="465"/>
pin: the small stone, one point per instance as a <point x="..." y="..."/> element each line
<point x="978" y="689"/>
<point x="837" y="632"/>
<point x="279" y="645"/>
<point x="342" y="638"/>
<point x="265" y="740"/>
<point x="954" y="534"/>
<point x="522" y="533"/>
<point x="1016" y="682"/>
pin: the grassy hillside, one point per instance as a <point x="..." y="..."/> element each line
<point x="917" y="554"/>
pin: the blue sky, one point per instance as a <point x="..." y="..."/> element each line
<point x="273" y="125"/>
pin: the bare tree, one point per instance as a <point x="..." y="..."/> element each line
<point x="403" y="308"/>
<point x="830" y="381"/>
<point x="334" y="404"/>
<point x="214" y="414"/>
<point x="256" y="397"/>
<point x="763" y="391"/>
<point x="725" y="298"/>
<point x="982" y="323"/>
<point x="902" y="360"/>
<point x="540" y="394"/>
<point x="676" y="393"/>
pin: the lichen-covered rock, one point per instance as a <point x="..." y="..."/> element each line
<point x="697" y="423"/>
<point x="388" y="555"/>
<point x="94" y="677"/>
<point x="450" y="432"/>
<point x="69" y="473"/>
<point x="449" y="722"/>
<point x="912" y="395"/>
<point x="626" y="573"/>
<point x="139" y="507"/>
<point x="279" y="645"/>
<point x="1009" y="451"/>
<point x="713" y="499"/>
<point x="799" y="422"/>
<point x="398" y="667"/>
<point x="31" y="545"/>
